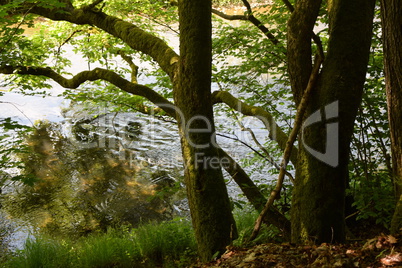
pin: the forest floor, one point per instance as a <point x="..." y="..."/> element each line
<point x="381" y="251"/>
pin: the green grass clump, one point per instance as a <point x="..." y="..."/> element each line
<point x="113" y="249"/>
<point x="41" y="252"/>
<point x="167" y="244"/>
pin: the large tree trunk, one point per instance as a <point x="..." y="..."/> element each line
<point x="210" y="208"/>
<point x="392" y="35"/>
<point x="322" y="169"/>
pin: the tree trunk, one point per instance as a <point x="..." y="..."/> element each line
<point x="391" y="12"/>
<point x="322" y="169"/>
<point x="210" y="208"/>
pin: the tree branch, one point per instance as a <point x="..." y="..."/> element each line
<point x="94" y="4"/>
<point x="268" y="156"/>
<point x="250" y="17"/>
<point x="315" y="37"/>
<point x="228" y="17"/>
<point x="275" y="132"/>
<point x="96" y="74"/>
<point x="288" y="5"/>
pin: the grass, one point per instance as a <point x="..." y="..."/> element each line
<point x="166" y="244"/>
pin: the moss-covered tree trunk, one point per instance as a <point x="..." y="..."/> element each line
<point x="206" y="190"/>
<point x="392" y="34"/>
<point x="322" y="169"/>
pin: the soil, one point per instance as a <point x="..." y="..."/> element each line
<point x="381" y="251"/>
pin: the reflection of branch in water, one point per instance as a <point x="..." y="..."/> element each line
<point x="15" y="106"/>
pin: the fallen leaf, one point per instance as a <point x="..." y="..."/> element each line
<point x="392" y="259"/>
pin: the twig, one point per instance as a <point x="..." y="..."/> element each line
<point x="268" y="156"/>
<point x="15" y="106"/>
<point x="245" y="144"/>
<point x="250" y="17"/>
<point x="292" y="137"/>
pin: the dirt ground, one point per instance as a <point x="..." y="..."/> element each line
<point x="381" y="251"/>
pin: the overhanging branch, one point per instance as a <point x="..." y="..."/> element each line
<point x="96" y="74"/>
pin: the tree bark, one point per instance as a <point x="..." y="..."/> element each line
<point x="391" y="13"/>
<point x="319" y="192"/>
<point x="210" y="208"/>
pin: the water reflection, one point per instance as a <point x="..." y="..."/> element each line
<point x="94" y="172"/>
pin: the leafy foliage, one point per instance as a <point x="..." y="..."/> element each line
<point x="370" y="168"/>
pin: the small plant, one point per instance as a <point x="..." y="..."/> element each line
<point x="112" y="249"/>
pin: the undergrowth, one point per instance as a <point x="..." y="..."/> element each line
<point x="166" y="244"/>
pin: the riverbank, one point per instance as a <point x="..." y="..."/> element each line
<point x="381" y="251"/>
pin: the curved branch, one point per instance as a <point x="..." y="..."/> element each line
<point x="275" y="132"/>
<point x="288" y="5"/>
<point x="96" y="74"/>
<point x="133" y="66"/>
<point x="258" y="23"/>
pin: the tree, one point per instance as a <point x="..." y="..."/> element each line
<point x="210" y="208"/>
<point x="391" y="13"/>
<point x="321" y="157"/>
<point x="321" y="182"/>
